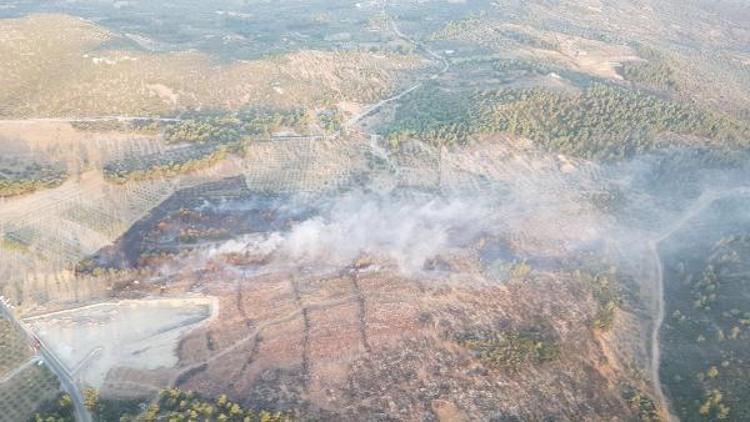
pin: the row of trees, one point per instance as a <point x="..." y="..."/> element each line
<point x="231" y="127"/>
<point x="164" y="166"/>
<point x="177" y="405"/>
<point x="22" y="178"/>
<point x="213" y="135"/>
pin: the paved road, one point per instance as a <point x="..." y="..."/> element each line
<point x="54" y="364"/>
<point x="703" y="202"/>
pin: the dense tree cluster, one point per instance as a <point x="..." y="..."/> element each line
<point x="655" y="74"/>
<point x="644" y="406"/>
<point x="432" y="114"/>
<point x="212" y="137"/>
<point x="58" y="410"/>
<point x="231" y="127"/>
<point x="602" y="122"/>
<point x="656" y="71"/>
<point x="168" y="164"/>
<point x="708" y="331"/>
<point x="331" y="120"/>
<point x="145" y="126"/>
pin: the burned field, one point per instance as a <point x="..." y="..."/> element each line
<point x="193" y="217"/>
<point x="347" y="328"/>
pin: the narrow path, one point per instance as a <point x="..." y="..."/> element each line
<point x="703" y="202"/>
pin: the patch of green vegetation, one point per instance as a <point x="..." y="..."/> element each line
<point x="331" y="120"/>
<point x="456" y="28"/>
<point x="231" y="127"/>
<point x="432" y="114"/>
<point x="656" y="72"/>
<point x="603" y="287"/>
<point x="212" y="137"/>
<point x="530" y="40"/>
<point x="12" y="244"/>
<point x="602" y="122"/>
<point x="511" y="350"/>
<point x="145" y="126"/>
<point x="520" y="270"/>
<point x="643" y="405"/>
<point x="60" y="409"/>
<point x="170" y="163"/>
<point x="713" y="408"/>
<point x="19" y="176"/>
<point x="178" y="405"/>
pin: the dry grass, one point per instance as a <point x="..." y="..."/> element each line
<point x="55" y="65"/>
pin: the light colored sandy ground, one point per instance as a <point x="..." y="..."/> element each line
<point x="86" y="81"/>
<point x="589" y="56"/>
<point x="593" y="57"/>
<point x="136" y="334"/>
<point x="583" y="55"/>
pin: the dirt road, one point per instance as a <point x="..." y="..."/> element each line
<point x="434" y="57"/>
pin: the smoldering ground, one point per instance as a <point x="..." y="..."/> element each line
<point x="532" y="204"/>
<point x="549" y="213"/>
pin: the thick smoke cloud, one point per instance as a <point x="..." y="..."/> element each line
<point x="407" y="229"/>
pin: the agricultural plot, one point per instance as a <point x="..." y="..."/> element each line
<point x="26" y="391"/>
<point x="14" y="349"/>
<point x="302" y="165"/>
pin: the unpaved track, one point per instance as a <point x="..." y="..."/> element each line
<point x="434" y="57"/>
<point x="703" y="202"/>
